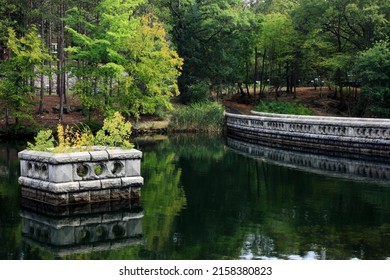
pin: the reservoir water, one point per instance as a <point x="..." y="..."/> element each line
<point x="212" y="198"/>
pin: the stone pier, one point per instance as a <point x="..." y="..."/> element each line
<point x="352" y="136"/>
<point x="81" y="177"/>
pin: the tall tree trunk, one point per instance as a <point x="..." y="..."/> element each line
<point x="247" y="79"/>
<point x="40" y="110"/>
<point x="61" y="46"/>
<point x="288" y="78"/>
<point x="255" y="77"/>
<point x="339" y="71"/>
<point x="262" y="73"/>
<point x="42" y="93"/>
<point x="6" y="120"/>
<point x="49" y="44"/>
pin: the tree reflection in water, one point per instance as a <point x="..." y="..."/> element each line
<point x="203" y="200"/>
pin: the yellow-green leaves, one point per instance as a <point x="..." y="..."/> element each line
<point x="27" y="54"/>
<point x="155" y="67"/>
<point x="125" y="61"/>
<point x="115" y="132"/>
<point x="43" y="141"/>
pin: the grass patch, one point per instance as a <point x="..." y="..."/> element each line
<point x="283" y="108"/>
<point x="204" y="117"/>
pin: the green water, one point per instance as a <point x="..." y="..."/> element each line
<point x="203" y="199"/>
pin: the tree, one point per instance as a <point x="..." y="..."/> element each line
<point x="373" y="66"/>
<point x="273" y="6"/>
<point x="123" y="61"/>
<point x="24" y="64"/>
<point x="335" y="31"/>
<point x="208" y="37"/>
<point x="277" y="43"/>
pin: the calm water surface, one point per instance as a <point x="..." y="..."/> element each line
<point x="211" y="199"/>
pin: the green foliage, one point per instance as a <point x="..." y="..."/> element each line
<point x="115" y="132"/>
<point x="126" y="55"/>
<point x="128" y="65"/>
<point x="68" y="140"/>
<point x="43" y="141"/>
<point x="332" y="34"/>
<point x="75" y="138"/>
<point x="10" y="16"/>
<point x="283" y="108"/>
<point x="208" y="37"/>
<point x="277" y="35"/>
<point x="278" y="41"/>
<point x="164" y="201"/>
<point x="26" y="56"/>
<point x="203" y="117"/>
<point x="373" y="66"/>
<point x="93" y="125"/>
<point x="197" y="93"/>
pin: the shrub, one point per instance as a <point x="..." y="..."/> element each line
<point x="43" y="141"/>
<point x="373" y="68"/>
<point x="282" y="108"/>
<point x="114" y="133"/>
<point x="198" y="92"/>
<point x="75" y="138"/>
<point x="205" y="117"/>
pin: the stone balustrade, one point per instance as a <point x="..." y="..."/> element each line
<point x="352" y="135"/>
<point x="80" y="177"/>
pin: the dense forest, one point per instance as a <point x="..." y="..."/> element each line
<point x="133" y="56"/>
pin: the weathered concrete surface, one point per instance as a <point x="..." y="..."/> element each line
<point x="350" y="135"/>
<point x="80" y="177"/>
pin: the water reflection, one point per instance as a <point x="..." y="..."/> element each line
<point x="352" y="169"/>
<point x="88" y="228"/>
<point x="163" y="197"/>
<point x="205" y="200"/>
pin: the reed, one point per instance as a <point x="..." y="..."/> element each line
<point x="205" y="117"/>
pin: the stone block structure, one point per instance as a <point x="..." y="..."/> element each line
<point x="101" y="174"/>
<point x="353" y="136"/>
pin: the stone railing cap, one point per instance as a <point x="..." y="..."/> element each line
<point x="97" y="154"/>
<point x="124" y="154"/>
<point x="322" y="118"/>
<point x="316" y="120"/>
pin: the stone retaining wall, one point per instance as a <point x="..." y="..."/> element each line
<point x="351" y="135"/>
<point x="80" y="177"/>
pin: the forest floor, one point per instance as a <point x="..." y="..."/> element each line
<point x="50" y="117"/>
<point x="321" y="102"/>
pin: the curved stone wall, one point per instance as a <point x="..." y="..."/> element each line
<point x="351" y="135"/>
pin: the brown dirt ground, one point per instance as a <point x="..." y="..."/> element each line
<point x="50" y="117"/>
<point x="321" y="102"/>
